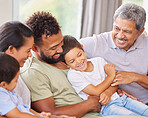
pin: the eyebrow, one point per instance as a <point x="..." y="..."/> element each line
<point x="56" y="45"/>
<point x="77" y="55"/>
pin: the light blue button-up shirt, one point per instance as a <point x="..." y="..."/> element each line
<point x="133" y="60"/>
<point x="9" y="100"/>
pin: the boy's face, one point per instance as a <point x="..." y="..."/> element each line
<point x="76" y="59"/>
<point x="11" y="86"/>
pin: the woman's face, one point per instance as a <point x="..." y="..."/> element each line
<point x="21" y="54"/>
<point x="24" y="51"/>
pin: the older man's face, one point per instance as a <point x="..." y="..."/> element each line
<point x="124" y="33"/>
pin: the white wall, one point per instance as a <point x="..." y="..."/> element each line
<point x="6" y="10"/>
<point x="145" y="3"/>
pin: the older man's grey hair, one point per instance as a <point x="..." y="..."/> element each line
<point x="132" y="12"/>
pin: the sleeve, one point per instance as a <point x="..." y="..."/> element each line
<point x="88" y="45"/>
<point x="101" y="63"/>
<point x="77" y="80"/>
<point x="6" y="104"/>
<point x="38" y="84"/>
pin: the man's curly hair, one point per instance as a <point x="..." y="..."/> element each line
<point x="43" y="23"/>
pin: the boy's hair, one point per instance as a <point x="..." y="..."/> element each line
<point x="9" y="67"/>
<point x="43" y="23"/>
<point x="69" y="43"/>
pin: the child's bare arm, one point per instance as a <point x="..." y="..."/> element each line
<point x="3" y="117"/>
<point x="97" y="90"/>
<point x="15" y="113"/>
<point x="105" y="96"/>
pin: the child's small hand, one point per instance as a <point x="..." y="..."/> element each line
<point x="61" y="116"/>
<point x="45" y="115"/>
<point x="109" y="69"/>
<point x="104" y="98"/>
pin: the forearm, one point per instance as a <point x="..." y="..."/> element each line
<point x="142" y="80"/>
<point x="103" y="86"/>
<point x="97" y="90"/>
<point x="34" y="112"/>
<point x="78" y="110"/>
<point x="15" y="113"/>
<point x="3" y="117"/>
<point x="26" y="115"/>
<point x="111" y="90"/>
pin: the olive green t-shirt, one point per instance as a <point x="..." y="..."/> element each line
<point x="44" y="81"/>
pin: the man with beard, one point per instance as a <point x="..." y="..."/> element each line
<point x="125" y="47"/>
<point x="46" y="77"/>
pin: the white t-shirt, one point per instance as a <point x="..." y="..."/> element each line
<point x="133" y="60"/>
<point x="22" y="90"/>
<point x="79" y="80"/>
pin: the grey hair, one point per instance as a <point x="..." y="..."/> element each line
<point x="132" y="12"/>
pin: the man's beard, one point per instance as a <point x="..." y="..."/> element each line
<point x="49" y="60"/>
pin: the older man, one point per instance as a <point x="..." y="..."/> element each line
<point x="125" y="47"/>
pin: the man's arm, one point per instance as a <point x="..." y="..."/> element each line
<point x="123" y="77"/>
<point x="78" y="110"/>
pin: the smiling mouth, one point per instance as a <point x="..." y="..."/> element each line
<point x="56" y="55"/>
<point x="81" y="65"/>
<point x="121" y="39"/>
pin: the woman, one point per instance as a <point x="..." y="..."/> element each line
<point x="16" y="40"/>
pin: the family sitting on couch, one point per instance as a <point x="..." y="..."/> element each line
<point x="45" y="74"/>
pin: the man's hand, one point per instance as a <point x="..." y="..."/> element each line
<point x="123" y="77"/>
<point x="94" y="101"/>
<point x="121" y="92"/>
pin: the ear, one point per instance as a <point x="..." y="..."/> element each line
<point x="141" y="32"/>
<point x="35" y="48"/>
<point x="3" y="84"/>
<point x="44" y="37"/>
<point x="82" y="47"/>
<point x="11" y="50"/>
<point x="67" y="66"/>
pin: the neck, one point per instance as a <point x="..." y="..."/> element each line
<point x="60" y="65"/>
<point x="90" y="67"/>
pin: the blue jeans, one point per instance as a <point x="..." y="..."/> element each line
<point x="124" y="106"/>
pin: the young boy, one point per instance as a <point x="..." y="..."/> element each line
<point x="88" y="77"/>
<point x="11" y="105"/>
